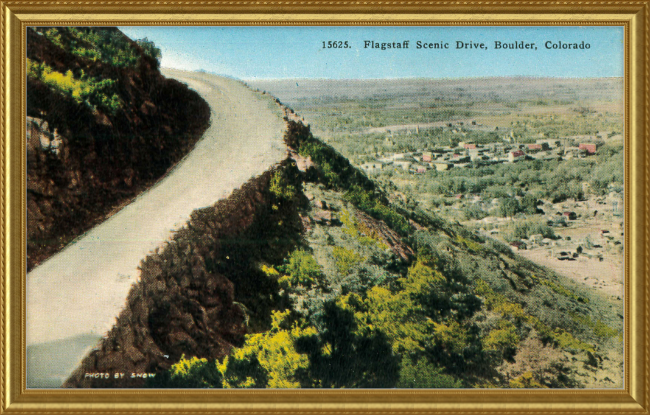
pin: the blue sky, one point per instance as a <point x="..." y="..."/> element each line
<point x="255" y="52"/>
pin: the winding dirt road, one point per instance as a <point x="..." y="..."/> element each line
<point x="74" y="297"/>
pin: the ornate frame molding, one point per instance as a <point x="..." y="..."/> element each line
<point x="15" y="15"/>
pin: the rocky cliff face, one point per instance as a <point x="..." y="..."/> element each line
<point x="183" y="303"/>
<point x="204" y="290"/>
<point x="103" y="125"/>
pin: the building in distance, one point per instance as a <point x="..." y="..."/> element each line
<point x="590" y="148"/>
<point x="516" y="155"/>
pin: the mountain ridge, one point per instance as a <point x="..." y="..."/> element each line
<point x="319" y="266"/>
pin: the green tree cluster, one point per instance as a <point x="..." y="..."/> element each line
<point x="301" y="269"/>
<point x="150" y="49"/>
<point x="83" y="89"/>
<point x="100" y="44"/>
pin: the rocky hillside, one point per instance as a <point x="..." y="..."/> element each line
<point x="311" y="276"/>
<point x="102" y="125"/>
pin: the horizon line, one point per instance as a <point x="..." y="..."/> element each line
<point x="248" y="79"/>
<point x="426" y="77"/>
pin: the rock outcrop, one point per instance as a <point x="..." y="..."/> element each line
<point x="184" y="302"/>
<point x="97" y="159"/>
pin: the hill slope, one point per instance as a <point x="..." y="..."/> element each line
<point x="310" y="276"/>
<point x="103" y="124"/>
<point x="82" y="289"/>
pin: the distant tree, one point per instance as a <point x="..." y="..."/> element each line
<point x="529" y="204"/>
<point x="474" y="212"/>
<point x="150" y="49"/>
<point x="509" y="207"/>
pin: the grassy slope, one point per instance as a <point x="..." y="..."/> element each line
<point x="429" y="296"/>
<point x="525" y="105"/>
<point x="553" y="306"/>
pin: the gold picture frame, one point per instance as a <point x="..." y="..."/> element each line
<point x="634" y="16"/>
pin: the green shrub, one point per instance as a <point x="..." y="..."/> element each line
<point x="451" y="336"/>
<point x="395" y="315"/>
<point x="507" y="309"/>
<point x="523" y="229"/>
<point x="301" y="269"/>
<point x="98" y="94"/>
<point x="559" y="289"/>
<point x="280" y="186"/>
<point x="343" y="355"/>
<point x="401" y="315"/>
<point x="360" y="232"/>
<point x="509" y="206"/>
<point x="529" y="204"/>
<point x="566" y="341"/>
<point x="107" y="45"/>
<point x="371" y="204"/>
<point x="475" y="212"/>
<point x="422" y="374"/>
<point x="189" y="373"/>
<point x="150" y="49"/>
<point x="469" y="244"/>
<point x="503" y="339"/>
<point x="267" y="359"/>
<point x="603" y="330"/>
<point x="526" y="381"/>
<point x="599" y="328"/>
<point x="346" y="259"/>
<point x="337" y="172"/>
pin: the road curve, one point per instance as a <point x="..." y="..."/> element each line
<point x="73" y="298"/>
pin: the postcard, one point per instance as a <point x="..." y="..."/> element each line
<point x="394" y="207"/>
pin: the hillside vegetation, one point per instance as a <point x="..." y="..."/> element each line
<point x="103" y="124"/>
<point x="509" y="160"/>
<point x="311" y="277"/>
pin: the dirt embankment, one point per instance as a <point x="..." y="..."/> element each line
<point x="204" y="290"/>
<point x="185" y="301"/>
<point x="88" y="161"/>
<point x="82" y="289"/>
